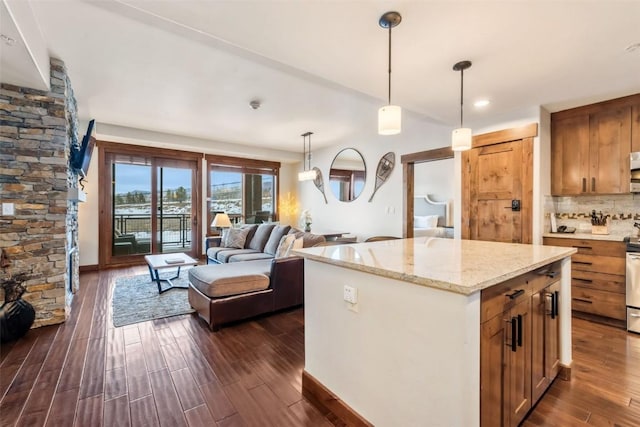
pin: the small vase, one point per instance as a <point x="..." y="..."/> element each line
<point x="307" y="227"/>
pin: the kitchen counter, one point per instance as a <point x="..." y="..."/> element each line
<point x="613" y="237"/>
<point x="460" y="266"/>
<point x="408" y="348"/>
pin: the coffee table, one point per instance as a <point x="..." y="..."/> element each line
<point x="163" y="261"/>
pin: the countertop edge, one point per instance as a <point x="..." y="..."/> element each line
<point x="439" y="284"/>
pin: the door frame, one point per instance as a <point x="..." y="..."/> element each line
<point x="525" y="134"/>
<point x="408" y="175"/>
<point x="105" y="224"/>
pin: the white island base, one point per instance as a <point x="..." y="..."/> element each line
<point x="406" y="354"/>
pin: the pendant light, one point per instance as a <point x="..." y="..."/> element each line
<point x="307" y="174"/>
<point x="389" y="116"/>
<point x="461" y="139"/>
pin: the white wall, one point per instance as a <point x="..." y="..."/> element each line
<point x="383" y="215"/>
<point x="436" y="179"/>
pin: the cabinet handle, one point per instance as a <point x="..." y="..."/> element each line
<point x="583" y="300"/>
<point x="556" y="297"/>
<point x="552" y="274"/>
<point x="582" y="262"/>
<point x="584" y="185"/>
<point x="582" y="247"/>
<point x="513" y="334"/>
<point x="519" y="330"/>
<point x="583" y="280"/>
<point x="593" y="184"/>
<point x="515" y="294"/>
<point x="634" y="315"/>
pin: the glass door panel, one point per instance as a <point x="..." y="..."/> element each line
<point x="131" y="209"/>
<point x="175" y="208"/>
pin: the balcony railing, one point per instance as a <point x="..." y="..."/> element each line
<point x="174" y="230"/>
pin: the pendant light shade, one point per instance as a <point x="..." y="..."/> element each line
<point x="389" y="116"/>
<point x="389" y="120"/>
<point x="461" y="139"/>
<point x="306" y="174"/>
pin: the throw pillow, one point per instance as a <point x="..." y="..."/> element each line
<point x="427" y="221"/>
<point x="235" y="238"/>
<point x="285" y="245"/>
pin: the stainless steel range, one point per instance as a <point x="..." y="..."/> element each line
<point x="633" y="285"/>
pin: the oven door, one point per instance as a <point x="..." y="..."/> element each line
<point x="633" y="279"/>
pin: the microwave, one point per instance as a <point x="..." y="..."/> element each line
<point x="635" y="172"/>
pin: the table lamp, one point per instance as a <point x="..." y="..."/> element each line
<point x="221" y="221"/>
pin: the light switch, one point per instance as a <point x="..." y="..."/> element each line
<point x="8" y="209"/>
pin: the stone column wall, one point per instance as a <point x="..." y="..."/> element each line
<point x="37" y="132"/>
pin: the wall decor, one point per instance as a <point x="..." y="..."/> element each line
<point x="347" y="175"/>
<point x="319" y="183"/>
<point x="383" y="171"/>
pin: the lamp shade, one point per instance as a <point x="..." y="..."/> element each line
<point x="389" y="120"/>
<point x="221" y="220"/>
<point x="461" y="139"/>
<point x="309" y="175"/>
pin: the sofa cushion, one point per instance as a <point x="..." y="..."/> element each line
<point x="249" y="257"/>
<point x="309" y="239"/>
<point x="286" y="242"/>
<point x="259" y="239"/>
<point x="224" y="256"/>
<point x="213" y="252"/>
<point x="235" y="238"/>
<point x="274" y="239"/>
<point x="252" y="231"/>
<point x="223" y="280"/>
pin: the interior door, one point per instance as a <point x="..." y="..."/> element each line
<point x="496" y="202"/>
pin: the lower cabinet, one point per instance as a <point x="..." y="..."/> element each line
<point x="519" y="345"/>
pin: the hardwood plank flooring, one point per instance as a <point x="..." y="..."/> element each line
<point x="175" y="371"/>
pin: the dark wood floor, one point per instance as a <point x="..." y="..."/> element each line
<point x="175" y="372"/>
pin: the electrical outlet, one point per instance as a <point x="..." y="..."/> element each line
<point x="350" y="294"/>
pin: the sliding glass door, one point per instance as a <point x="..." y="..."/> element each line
<point x="152" y="205"/>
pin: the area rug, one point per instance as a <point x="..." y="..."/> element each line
<point x="136" y="299"/>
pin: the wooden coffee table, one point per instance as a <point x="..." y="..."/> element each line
<point x="163" y="261"/>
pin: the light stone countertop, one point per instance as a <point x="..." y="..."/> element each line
<point x="587" y="236"/>
<point x="460" y="266"/>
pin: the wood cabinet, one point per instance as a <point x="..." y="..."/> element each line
<point x="590" y="147"/>
<point x="597" y="279"/>
<point x="519" y="345"/>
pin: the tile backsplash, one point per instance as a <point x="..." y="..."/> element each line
<point x="623" y="210"/>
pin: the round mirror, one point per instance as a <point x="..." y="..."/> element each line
<point x="347" y="175"/>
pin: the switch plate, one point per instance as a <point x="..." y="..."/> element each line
<point x="8" y="209"/>
<point x="350" y="294"/>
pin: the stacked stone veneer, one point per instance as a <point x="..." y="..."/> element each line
<point x="37" y="132"/>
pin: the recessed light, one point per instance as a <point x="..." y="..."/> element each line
<point x="633" y="47"/>
<point x="255" y="104"/>
<point x="481" y="103"/>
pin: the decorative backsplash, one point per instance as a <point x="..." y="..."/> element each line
<point x="623" y="211"/>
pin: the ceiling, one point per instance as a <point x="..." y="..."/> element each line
<point x="191" y="67"/>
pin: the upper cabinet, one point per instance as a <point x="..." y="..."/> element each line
<point x="590" y="147"/>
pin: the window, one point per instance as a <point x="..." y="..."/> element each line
<point x="244" y="189"/>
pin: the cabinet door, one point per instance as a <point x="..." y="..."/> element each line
<point x="610" y="146"/>
<point x="519" y="364"/>
<point x="494" y="343"/>
<point x="570" y="155"/>
<point x="552" y="332"/>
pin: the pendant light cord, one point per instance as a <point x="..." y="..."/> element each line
<point x="389" y="94"/>
<point x="461" y="92"/>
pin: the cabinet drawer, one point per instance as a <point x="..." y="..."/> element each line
<point x="499" y="298"/>
<point x="598" y="264"/>
<point x="590" y="247"/>
<point x="599" y="281"/>
<point x="602" y="303"/>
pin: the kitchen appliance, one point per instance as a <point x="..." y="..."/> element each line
<point x="635" y="172"/>
<point x="633" y="285"/>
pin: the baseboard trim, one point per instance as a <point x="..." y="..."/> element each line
<point x="327" y="402"/>
<point x="91" y="267"/>
<point x="564" y="373"/>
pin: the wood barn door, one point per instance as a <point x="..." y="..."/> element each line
<point x="497" y="187"/>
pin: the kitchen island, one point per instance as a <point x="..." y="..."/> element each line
<point x="408" y="351"/>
